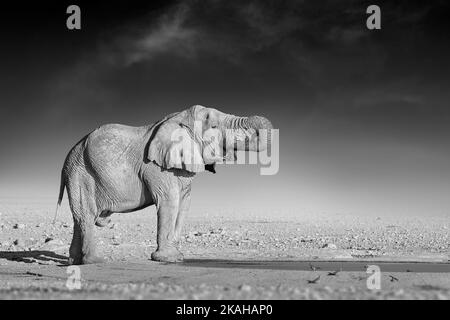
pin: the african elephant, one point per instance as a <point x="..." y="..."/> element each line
<point x="119" y="168"/>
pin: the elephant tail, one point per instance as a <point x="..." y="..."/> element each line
<point x="60" y="197"/>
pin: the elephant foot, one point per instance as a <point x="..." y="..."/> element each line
<point x="74" y="261"/>
<point x="167" y="255"/>
<point x="102" y="222"/>
<point x="85" y="260"/>
<point x="92" y="259"/>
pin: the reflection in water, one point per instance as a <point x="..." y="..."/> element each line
<point x="316" y="265"/>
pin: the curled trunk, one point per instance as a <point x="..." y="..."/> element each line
<point x="255" y="129"/>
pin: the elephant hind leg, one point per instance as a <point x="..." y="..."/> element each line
<point x="83" y="247"/>
<point x="75" y="254"/>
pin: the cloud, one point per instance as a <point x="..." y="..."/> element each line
<point x="322" y="54"/>
<point x="223" y="29"/>
<point x="236" y="32"/>
<point x="169" y="35"/>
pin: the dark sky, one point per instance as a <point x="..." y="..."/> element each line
<point x="363" y="115"/>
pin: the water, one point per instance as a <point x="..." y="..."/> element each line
<point x="315" y="265"/>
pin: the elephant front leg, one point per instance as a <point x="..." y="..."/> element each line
<point x="185" y="203"/>
<point x="167" y="251"/>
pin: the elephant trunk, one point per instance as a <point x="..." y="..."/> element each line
<point x="256" y="129"/>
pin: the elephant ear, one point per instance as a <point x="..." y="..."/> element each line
<point x="174" y="147"/>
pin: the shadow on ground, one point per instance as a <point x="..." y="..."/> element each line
<point x="33" y="256"/>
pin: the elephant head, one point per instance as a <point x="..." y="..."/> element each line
<point x="199" y="137"/>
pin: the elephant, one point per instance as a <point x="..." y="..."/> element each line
<point x="118" y="168"/>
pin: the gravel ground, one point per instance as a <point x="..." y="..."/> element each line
<point x="33" y="255"/>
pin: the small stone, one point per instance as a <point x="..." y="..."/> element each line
<point x="329" y="246"/>
<point x="19" y="226"/>
<point x="48" y="239"/>
<point x="54" y="242"/>
<point x="17" y="242"/>
<point x="245" y="287"/>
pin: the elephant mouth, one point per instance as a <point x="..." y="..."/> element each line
<point x="229" y="154"/>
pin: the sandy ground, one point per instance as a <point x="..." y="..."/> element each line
<point x="228" y="256"/>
